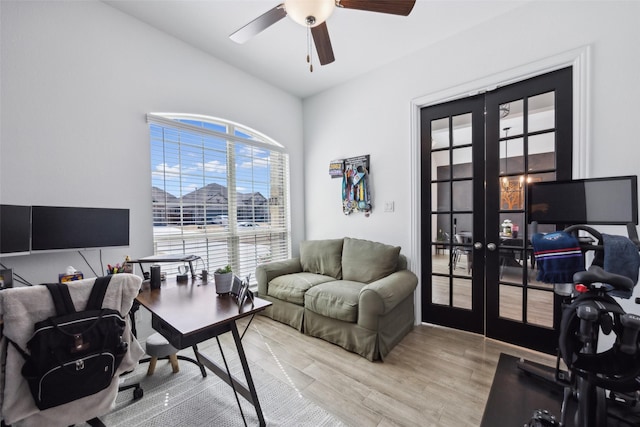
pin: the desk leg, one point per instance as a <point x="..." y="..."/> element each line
<point x="248" y="391"/>
<point x="198" y="360"/>
<point x="247" y="373"/>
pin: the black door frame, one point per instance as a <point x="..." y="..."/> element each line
<point x="543" y="339"/>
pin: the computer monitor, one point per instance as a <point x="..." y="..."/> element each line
<point x="15" y="230"/>
<point x="603" y="201"/>
<point x="55" y="228"/>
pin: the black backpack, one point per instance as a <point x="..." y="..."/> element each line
<point x="74" y="353"/>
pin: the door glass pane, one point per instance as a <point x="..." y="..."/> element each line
<point x="511" y="117"/>
<point x="462" y="258"/>
<point x="549" y="176"/>
<point x="441" y="259"/>
<point x="541" y="112"/>
<point x="511" y="256"/>
<point x="511" y="156"/>
<point x="510" y="302"/>
<point x="440" y="290"/>
<point x="542" y="154"/>
<point x="516" y="220"/>
<point x="440" y="133"/>
<point x="462" y="223"/>
<point x="461" y="129"/>
<point x="440" y="200"/>
<point x="462" y="293"/>
<point x="443" y="227"/>
<point x="441" y="245"/>
<point x="512" y="192"/>
<point x="505" y="227"/>
<point x="462" y="249"/>
<point x="540" y="307"/>
<point x="437" y="231"/>
<point x="462" y="195"/>
<point x="440" y="165"/>
<point x="462" y="163"/>
<point x="513" y="250"/>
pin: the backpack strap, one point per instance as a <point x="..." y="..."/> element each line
<point x="23" y="353"/>
<point x="61" y="298"/>
<point x="97" y="293"/>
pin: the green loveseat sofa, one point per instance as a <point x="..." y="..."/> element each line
<point x="354" y="293"/>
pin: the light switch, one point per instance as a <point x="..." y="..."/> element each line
<point x="388" y="206"/>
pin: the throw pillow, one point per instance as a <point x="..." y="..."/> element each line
<point x="366" y="261"/>
<point x="322" y="257"/>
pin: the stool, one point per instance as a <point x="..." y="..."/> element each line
<point x="157" y="346"/>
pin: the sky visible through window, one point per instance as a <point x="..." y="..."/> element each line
<point x="191" y="161"/>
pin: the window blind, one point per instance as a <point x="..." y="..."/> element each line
<point x="219" y="191"/>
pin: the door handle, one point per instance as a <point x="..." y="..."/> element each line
<point x="477" y="245"/>
<point x="491" y="246"/>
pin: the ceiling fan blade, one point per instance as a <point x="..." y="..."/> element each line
<point x="395" y="7"/>
<point x="259" y="24"/>
<point x="323" y="43"/>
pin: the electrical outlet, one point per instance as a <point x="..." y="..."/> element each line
<point x="388" y="206"/>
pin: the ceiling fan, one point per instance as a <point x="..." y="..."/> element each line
<point x="313" y="15"/>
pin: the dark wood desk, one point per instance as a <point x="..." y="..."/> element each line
<point x="188" y="314"/>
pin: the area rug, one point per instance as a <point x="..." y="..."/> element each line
<point x="514" y="397"/>
<point x="187" y="399"/>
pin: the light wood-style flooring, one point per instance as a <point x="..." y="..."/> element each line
<point x="435" y="377"/>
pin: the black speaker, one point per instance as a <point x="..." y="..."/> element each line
<point x="155" y="277"/>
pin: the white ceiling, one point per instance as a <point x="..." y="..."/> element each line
<point x="362" y="41"/>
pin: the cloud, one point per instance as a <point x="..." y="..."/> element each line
<point x="163" y="169"/>
<point x="255" y="163"/>
<point x="212" y="166"/>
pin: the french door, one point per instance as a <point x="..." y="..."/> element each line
<point x="478" y="155"/>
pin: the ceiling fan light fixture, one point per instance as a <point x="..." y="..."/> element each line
<point x="309" y="13"/>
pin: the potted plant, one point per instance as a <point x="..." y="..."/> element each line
<point x="223" y="278"/>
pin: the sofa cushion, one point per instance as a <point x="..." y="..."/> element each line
<point x="337" y="299"/>
<point x="367" y="261"/>
<point x="291" y="287"/>
<point x="322" y="257"/>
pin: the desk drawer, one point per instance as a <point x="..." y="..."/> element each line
<point x="180" y="340"/>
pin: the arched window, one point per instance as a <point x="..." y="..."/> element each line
<point x="220" y="191"/>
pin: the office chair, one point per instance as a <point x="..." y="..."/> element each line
<point x="20" y="309"/>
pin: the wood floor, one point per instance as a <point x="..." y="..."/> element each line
<point x="435" y="377"/>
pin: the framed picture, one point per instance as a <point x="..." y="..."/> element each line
<point x="236" y="286"/>
<point x="242" y="296"/>
<point x="244" y="293"/>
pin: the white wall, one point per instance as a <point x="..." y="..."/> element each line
<point x="77" y="80"/>
<point x="372" y="114"/>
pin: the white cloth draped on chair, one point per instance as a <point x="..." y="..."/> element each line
<point x="20" y="309"/>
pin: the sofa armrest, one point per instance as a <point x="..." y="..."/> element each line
<point x="380" y="297"/>
<point x="267" y="272"/>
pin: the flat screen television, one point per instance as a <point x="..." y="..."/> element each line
<point x="15" y="229"/>
<point x="54" y="227"/>
<point x="604" y="201"/>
